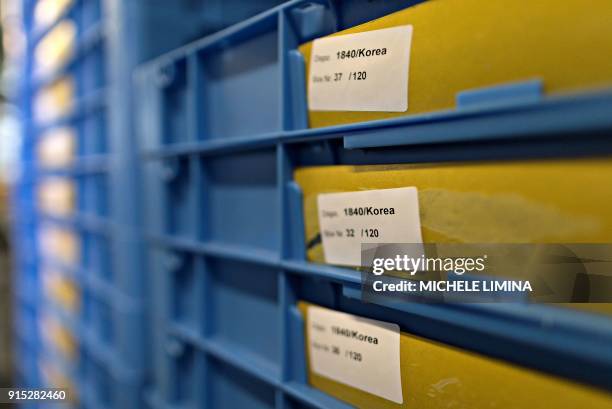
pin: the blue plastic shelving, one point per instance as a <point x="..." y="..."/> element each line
<point x="112" y="37"/>
<point x="222" y="124"/>
<point x="91" y="221"/>
<point x="199" y="160"/>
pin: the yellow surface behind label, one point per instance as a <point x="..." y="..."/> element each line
<point x="61" y="290"/>
<point x="56" y="196"/>
<point x="59" y="244"/>
<point x="56" y="148"/>
<point x="46" y="11"/>
<point x="460" y="45"/>
<point x="557" y="201"/>
<point x="435" y="375"/>
<point x="55" y="49"/>
<point x="55" y="101"/>
<point x="55" y="378"/>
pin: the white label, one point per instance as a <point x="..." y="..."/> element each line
<point x="371" y="216"/>
<point x="355" y="351"/>
<point x="361" y="72"/>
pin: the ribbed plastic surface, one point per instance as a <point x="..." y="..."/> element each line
<point x="222" y="124"/>
<point x="80" y="286"/>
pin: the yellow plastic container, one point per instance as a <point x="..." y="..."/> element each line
<point x="55" y="378"/>
<point x="59" y="244"/>
<point x="47" y="11"/>
<point x="55" y="100"/>
<point x="460" y="45"/>
<point x="557" y="201"/>
<point x="58" y="336"/>
<point x="553" y="201"/>
<point x="56" y="196"/>
<point x="61" y="290"/>
<point x="56" y="148"/>
<point x="435" y="375"/>
<point x="55" y="48"/>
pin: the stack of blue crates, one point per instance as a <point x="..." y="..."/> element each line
<point x="91" y="334"/>
<point x="222" y="125"/>
<point x="26" y="291"/>
<point x="79" y="347"/>
<point x="191" y="256"/>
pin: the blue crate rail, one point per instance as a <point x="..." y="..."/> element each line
<point x="222" y="124"/>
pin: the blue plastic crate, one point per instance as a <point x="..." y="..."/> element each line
<point x="112" y="37"/>
<point x="28" y="285"/>
<point x="222" y="124"/>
